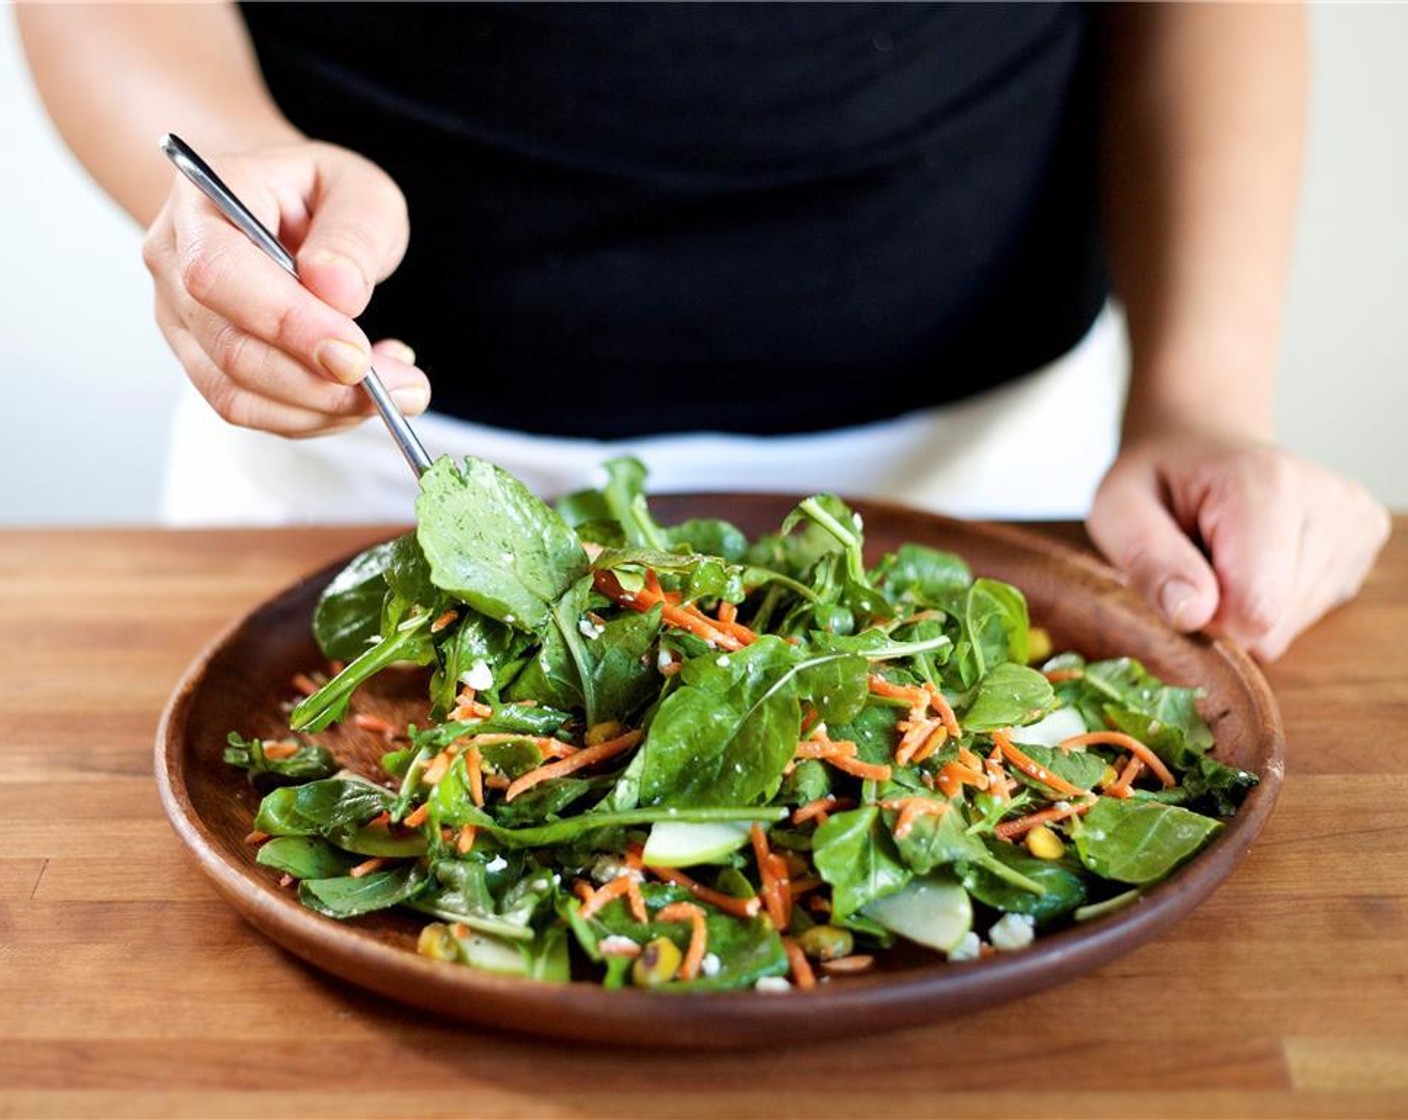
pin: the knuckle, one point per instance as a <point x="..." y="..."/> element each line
<point x="202" y="267"/>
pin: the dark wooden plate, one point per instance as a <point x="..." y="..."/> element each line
<point x="240" y="682"/>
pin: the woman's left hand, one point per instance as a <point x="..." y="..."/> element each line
<point x="1235" y="536"/>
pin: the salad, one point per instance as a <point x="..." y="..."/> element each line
<point x="674" y="758"/>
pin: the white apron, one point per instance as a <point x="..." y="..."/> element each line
<point x="1033" y="448"/>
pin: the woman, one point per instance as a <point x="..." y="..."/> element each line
<point x="795" y="247"/>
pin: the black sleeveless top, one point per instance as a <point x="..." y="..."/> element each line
<point x="629" y="219"/>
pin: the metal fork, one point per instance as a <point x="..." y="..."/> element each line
<point x="198" y="172"/>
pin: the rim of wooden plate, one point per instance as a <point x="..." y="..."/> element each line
<point x="1081" y="601"/>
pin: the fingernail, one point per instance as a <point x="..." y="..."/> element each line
<point x="397" y="349"/>
<point x="411" y="399"/>
<point x="1176" y="600"/>
<point x="343" y="360"/>
<point x="343" y="263"/>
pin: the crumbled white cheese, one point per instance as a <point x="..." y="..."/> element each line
<point x="966" y="950"/>
<point x="510" y="619"/>
<point x="722" y="661"/>
<point x="772" y="984"/>
<point x="498" y="863"/>
<point x="710" y="965"/>
<point x="1012" y="931"/>
<point x="663" y="660"/>
<point x="479" y="677"/>
<point x="590" y="629"/>
<point x="607" y="868"/>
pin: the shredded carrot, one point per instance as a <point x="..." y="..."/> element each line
<point x="280" y="750"/>
<point x="583" y="758"/>
<point x="802" y="974"/>
<point x="444" y="620"/>
<point x="674" y="615"/>
<point x="728" y="613"/>
<point x="670" y="667"/>
<point x="937" y="739"/>
<point x="437" y="768"/>
<point x="496" y="781"/>
<point x="1129" y="743"/>
<point x="953" y="776"/>
<point x="848" y="966"/>
<point x="474" y="771"/>
<point x="729" y="904"/>
<point x="698" y="934"/>
<point x="911" y="694"/>
<point x="464" y="842"/>
<point x="916" y="733"/>
<point x="869" y="771"/>
<point x="782" y="888"/>
<point x="820" y="807"/>
<point x="1056" y="676"/>
<point x="1031" y="769"/>
<point x="1010" y="830"/>
<point x="368" y="722"/>
<point x="1122" y="786"/>
<point x="825" y="748"/>
<point x="381" y="820"/>
<point x="911" y="809"/>
<point x="256" y="837"/>
<point x="621" y="885"/>
<point x="286" y="880"/>
<point x="772" y="900"/>
<point x="366" y="867"/>
<point x="305" y="684"/>
<point x="582" y="889"/>
<point x="620" y="947"/>
<point x="940" y="704"/>
<point x="1000" y="786"/>
<point x="416" y="817"/>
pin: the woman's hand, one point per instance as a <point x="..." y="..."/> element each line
<point x="1235" y="536"/>
<point x="266" y="351"/>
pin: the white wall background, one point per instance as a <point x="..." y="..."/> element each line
<point x="89" y="385"/>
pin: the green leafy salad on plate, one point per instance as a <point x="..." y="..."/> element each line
<point x="667" y="756"/>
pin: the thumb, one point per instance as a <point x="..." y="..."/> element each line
<point x="357" y="232"/>
<point x="1130" y="524"/>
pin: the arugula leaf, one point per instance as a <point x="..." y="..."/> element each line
<point x="1139" y="841"/>
<point x="922" y="577"/>
<point x="320" y="807"/>
<point x="409" y="642"/>
<point x="491" y="543"/>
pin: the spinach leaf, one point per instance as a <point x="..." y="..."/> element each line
<point x="936" y="841"/>
<point x="308" y="762"/>
<point x="320" y="807"/>
<point x="1062" y="884"/>
<point x="1139" y="841"/>
<point x="624" y="495"/>
<point x="623" y="672"/>
<point x="855" y="853"/>
<point x="492" y="544"/>
<point x="1009" y="694"/>
<point x="304" y="857"/>
<point x="348" y="614"/>
<point x="346" y="897"/>
<point x="725" y="736"/>
<point x="710" y="537"/>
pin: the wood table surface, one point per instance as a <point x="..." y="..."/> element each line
<point x="127" y="988"/>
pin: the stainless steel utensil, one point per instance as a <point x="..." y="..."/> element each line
<point x="198" y="172"/>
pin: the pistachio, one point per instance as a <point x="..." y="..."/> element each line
<point x="437" y="942"/>
<point x="826" y="943"/>
<point x="657" y="964"/>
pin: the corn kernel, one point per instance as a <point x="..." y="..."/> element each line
<point x="1045" y="844"/>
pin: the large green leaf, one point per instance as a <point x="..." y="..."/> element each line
<point x="493" y="544"/>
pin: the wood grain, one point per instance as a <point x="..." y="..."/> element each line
<point x="128" y="989"/>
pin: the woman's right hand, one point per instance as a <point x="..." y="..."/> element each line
<point x="267" y="351"/>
